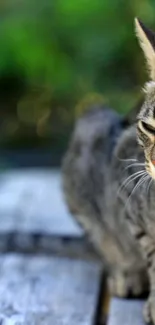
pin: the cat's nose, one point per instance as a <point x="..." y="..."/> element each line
<point x="153" y="162"/>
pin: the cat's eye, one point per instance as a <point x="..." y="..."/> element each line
<point x="148" y="128"/>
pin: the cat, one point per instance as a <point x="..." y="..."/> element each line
<point x="108" y="176"/>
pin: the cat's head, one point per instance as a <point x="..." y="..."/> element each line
<point x="146" y="116"/>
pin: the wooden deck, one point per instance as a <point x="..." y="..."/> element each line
<point x="49" y="275"/>
<point x="47" y="290"/>
<point x="125" y="312"/>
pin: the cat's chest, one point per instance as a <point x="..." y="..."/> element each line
<point x="150" y="227"/>
<point x="149" y="217"/>
<point x="143" y="211"/>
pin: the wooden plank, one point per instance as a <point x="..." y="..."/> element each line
<point x="47" y="244"/>
<point x="32" y="201"/>
<point x="46" y="291"/>
<point x="126" y="312"/>
<point x="102" y="309"/>
<point x="34" y="217"/>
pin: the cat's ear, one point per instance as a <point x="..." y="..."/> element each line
<point x="147" y="42"/>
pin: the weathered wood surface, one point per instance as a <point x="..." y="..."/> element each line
<point x="47" y="291"/>
<point x="125" y="312"/>
<point x="41" y="290"/>
<point x="32" y="201"/>
<point x="34" y="217"/>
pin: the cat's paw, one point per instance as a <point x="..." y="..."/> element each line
<point x="149" y="310"/>
<point x="124" y="284"/>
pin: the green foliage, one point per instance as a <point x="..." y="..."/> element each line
<point x="71" y="48"/>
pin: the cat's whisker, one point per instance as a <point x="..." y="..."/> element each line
<point x="144" y="180"/>
<point x="135" y="165"/>
<point x="125" y="185"/>
<point x="126" y="160"/>
<point x="141" y="177"/>
<point x="139" y="183"/>
<point x="130" y="179"/>
<point x="147" y="179"/>
<point x="149" y="185"/>
<point x="134" y="174"/>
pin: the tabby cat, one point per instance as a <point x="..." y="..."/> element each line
<point x="108" y="182"/>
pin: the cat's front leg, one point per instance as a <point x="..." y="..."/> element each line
<point x="148" y="250"/>
<point x="149" y="308"/>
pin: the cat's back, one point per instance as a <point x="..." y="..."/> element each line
<point x="89" y="153"/>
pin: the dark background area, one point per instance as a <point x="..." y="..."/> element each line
<point x="57" y="57"/>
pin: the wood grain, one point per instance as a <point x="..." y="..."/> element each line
<point x="125" y="312"/>
<point x="46" y="291"/>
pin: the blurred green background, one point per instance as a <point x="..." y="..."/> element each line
<point x="56" y="56"/>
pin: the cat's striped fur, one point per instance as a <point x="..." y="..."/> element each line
<point x="108" y="181"/>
